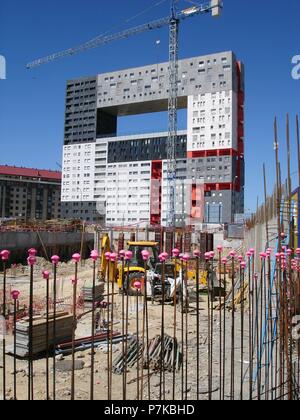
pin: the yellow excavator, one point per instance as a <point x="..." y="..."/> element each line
<point x="125" y="275"/>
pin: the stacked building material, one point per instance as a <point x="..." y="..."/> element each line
<point x="85" y="343"/>
<point x="169" y="357"/>
<point x="134" y="353"/>
<point x="87" y="292"/>
<point x="64" y="325"/>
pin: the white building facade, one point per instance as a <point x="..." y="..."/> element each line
<point x="121" y="180"/>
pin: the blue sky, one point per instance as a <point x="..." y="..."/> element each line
<point x="263" y="34"/>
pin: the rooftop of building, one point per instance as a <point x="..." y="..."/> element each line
<point x="30" y="173"/>
<point x="228" y="54"/>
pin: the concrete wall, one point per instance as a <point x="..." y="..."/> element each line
<point x="257" y="238"/>
<point x="62" y="243"/>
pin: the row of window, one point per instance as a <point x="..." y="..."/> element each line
<point x="153" y="71"/>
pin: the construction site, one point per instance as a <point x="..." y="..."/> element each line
<point x="155" y="285"/>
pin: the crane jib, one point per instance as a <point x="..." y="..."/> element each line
<point x="102" y="40"/>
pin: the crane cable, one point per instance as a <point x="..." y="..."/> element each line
<point x="148" y="9"/>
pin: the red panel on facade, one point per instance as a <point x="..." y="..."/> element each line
<point x="240" y="130"/>
<point x="241" y="98"/>
<point x="197" y="203"/>
<point x="241" y="115"/>
<point x="212" y="153"/>
<point x="155" y="199"/>
<point x="224" y="186"/>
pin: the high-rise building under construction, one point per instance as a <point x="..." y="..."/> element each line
<point x="122" y="180"/>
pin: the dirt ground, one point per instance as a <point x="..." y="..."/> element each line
<point x="82" y="379"/>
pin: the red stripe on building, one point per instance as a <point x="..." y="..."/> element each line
<point x="156" y="193"/>
<point x="212" y="153"/>
<point x="222" y="186"/>
<point x="241" y="125"/>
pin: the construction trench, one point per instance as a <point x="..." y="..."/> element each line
<point x="225" y="330"/>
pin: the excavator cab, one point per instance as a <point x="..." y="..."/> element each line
<point x="137" y="260"/>
<point x="127" y="274"/>
<point x="136" y="269"/>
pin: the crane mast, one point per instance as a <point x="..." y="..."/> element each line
<point x="172" y="116"/>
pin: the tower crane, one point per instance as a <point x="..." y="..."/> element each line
<point x="212" y="6"/>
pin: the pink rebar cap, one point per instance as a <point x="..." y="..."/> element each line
<point x="55" y="259"/>
<point x="76" y="258"/>
<point x="46" y="275"/>
<point x="175" y="252"/>
<point x="137" y="285"/>
<point x="252" y="250"/>
<point x="94" y="255"/>
<point x="122" y="253"/>
<point x="220" y="248"/>
<point x="243" y="265"/>
<point x="113" y="257"/>
<point x="186" y="257"/>
<point x="145" y="255"/>
<point x="249" y="254"/>
<point x="298" y="251"/>
<point x="207" y="256"/>
<point x="232" y="254"/>
<point x="15" y="294"/>
<point x="31" y="260"/>
<point x="240" y="258"/>
<point x="107" y="256"/>
<point x="224" y="260"/>
<point x="289" y="252"/>
<point x="162" y="257"/>
<point x="197" y="253"/>
<point x="128" y="255"/>
<point x="5" y="255"/>
<point x="32" y="252"/>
